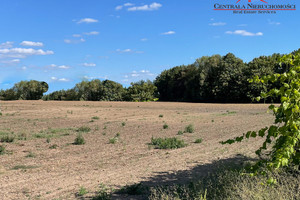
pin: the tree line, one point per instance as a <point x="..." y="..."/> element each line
<point x="214" y="78"/>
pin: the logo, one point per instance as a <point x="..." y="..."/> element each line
<point x="249" y="7"/>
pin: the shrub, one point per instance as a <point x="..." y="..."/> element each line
<point x="167" y="143"/>
<point x="165" y="126"/>
<point x="84" y="129"/>
<point x="189" y="128"/>
<point x="54" y="146"/>
<point x="161" y="116"/>
<point x="180" y="133"/>
<point x="123" y="123"/>
<point x="79" y="140"/>
<point x="198" y="141"/>
<point x="95" y="117"/>
<point x="113" y="140"/>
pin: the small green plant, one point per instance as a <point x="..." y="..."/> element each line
<point x="95" y="118"/>
<point x="117" y="135"/>
<point x="84" y="129"/>
<point x="48" y="140"/>
<point x="104" y="193"/>
<point x="161" y="116"/>
<point x="2" y="149"/>
<point x="82" y="191"/>
<point x="113" y="140"/>
<point x="105" y="127"/>
<point x="198" y="141"/>
<point x="7" y="138"/>
<point x="30" y="155"/>
<point x="180" y="132"/>
<point x="167" y="143"/>
<point x="54" y="146"/>
<point x="24" y="167"/>
<point x="79" y="140"/>
<point x="123" y="124"/>
<point x="189" y="128"/>
<point x="165" y="126"/>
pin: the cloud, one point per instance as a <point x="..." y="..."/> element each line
<point x="273" y="22"/>
<point x="120" y="7"/>
<point x="24" y="68"/>
<point x="87" y="21"/>
<point x="243" y="25"/>
<point x="169" y="33"/>
<point x="89" y="64"/>
<point x="144" y="39"/>
<point x="30" y="43"/>
<point x="138" y="75"/>
<point x="23" y="52"/>
<point x="150" y="7"/>
<point x="67" y="41"/>
<point x="53" y="78"/>
<point x="128" y="51"/>
<point x="92" y="33"/>
<point x="63" y="67"/>
<point x="218" y="24"/>
<point x="76" y="35"/>
<point x="14" y="61"/>
<point x="243" y="33"/>
<point x="6" y="45"/>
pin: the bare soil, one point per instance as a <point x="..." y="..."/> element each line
<point x="58" y="173"/>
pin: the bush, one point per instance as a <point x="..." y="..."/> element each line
<point x="82" y="191"/>
<point x="79" y="140"/>
<point x="161" y="116"/>
<point x="167" y="143"/>
<point x="198" y="141"/>
<point x="180" y="133"/>
<point x="189" y="128"/>
<point x="165" y="126"/>
<point x="113" y="140"/>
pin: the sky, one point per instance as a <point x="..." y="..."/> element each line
<point x="64" y="42"/>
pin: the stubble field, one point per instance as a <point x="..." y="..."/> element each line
<point x="43" y="163"/>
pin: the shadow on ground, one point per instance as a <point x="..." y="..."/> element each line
<point x="180" y="177"/>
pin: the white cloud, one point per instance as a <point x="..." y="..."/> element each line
<point x="24" y="68"/>
<point x="30" y="43"/>
<point x="63" y="67"/>
<point x="169" y="33"/>
<point x="53" y="78"/>
<point x="87" y="21"/>
<point x="273" y="22"/>
<point x="6" y="45"/>
<point x="89" y="64"/>
<point x="150" y="7"/>
<point x="23" y="52"/>
<point x="128" y="51"/>
<point x="144" y="39"/>
<point x="14" y="61"/>
<point x="243" y="25"/>
<point x="67" y="41"/>
<point x="128" y="4"/>
<point x="76" y="35"/>
<point x="243" y="33"/>
<point x="119" y="7"/>
<point x="138" y="75"/>
<point x="92" y="33"/>
<point x="218" y="24"/>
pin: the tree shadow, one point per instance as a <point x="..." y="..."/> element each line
<point x="180" y="177"/>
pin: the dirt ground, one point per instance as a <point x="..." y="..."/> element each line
<point x="32" y="168"/>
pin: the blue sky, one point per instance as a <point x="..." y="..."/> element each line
<point x="65" y="41"/>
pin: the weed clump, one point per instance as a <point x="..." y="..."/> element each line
<point x="167" y="143"/>
<point x="189" y="128"/>
<point x="79" y="140"/>
<point x="198" y="141"/>
<point x="165" y="126"/>
<point x="7" y="138"/>
<point x="84" y="129"/>
<point x="2" y="149"/>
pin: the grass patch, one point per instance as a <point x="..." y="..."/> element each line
<point x="161" y="116"/>
<point x="189" y="128"/>
<point x="82" y="191"/>
<point x="167" y="143"/>
<point x="123" y="124"/>
<point x="79" y="140"/>
<point x="84" y="129"/>
<point x="7" y="138"/>
<point x="113" y="140"/>
<point x="234" y="185"/>
<point x="2" y="149"/>
<point x="54" y="146"/>
<point x="30" y="155"/>
<point x="95" y="118"/>
<point x="180" y="133"/>
<point x="104" y="193"/>
<point x="135" y="189"/>
<point x="24" y="167"/>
